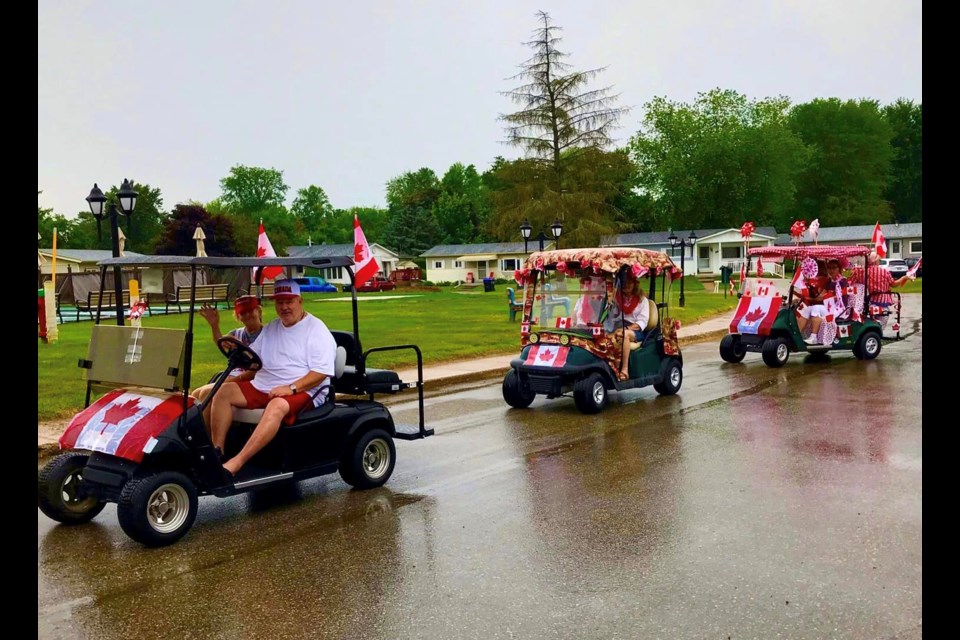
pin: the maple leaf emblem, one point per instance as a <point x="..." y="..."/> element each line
<point x="117" y="413"/>
<point x="261" y="252"/>
<point x="359" y="254"/>
<point x="754" y="315"/>
<point x="547" y="355"/>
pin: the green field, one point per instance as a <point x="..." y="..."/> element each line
<point x="446" y="325"/>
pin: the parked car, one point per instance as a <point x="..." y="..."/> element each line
<point x="912" y="261"/>
<point x="315" y="285"/>
<point x="378" y="283"/>
<point x="897" y="267"/>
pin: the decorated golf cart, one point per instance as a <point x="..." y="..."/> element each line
<point x="770" y="316"/>
<point x="141" y="441"/>
<point x="581" y="354"/>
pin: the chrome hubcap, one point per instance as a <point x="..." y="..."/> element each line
<point x="598" y="392"/>
<point x="675" y="376"/>
<point x="782" y="352"/>
<point x="376" y="458"/>
<point x="168" y="508"/>
<point x="871" y="344"/>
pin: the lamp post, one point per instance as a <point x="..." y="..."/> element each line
<point x="556" y="229"/>
<point x="128" y="200"/>
<point x="683" y="243"/>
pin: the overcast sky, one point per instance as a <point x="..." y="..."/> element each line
<point x="347" y="95"/>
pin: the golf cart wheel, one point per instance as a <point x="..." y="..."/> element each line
<point x="516" y="392"/>
<point x="157" y="509"/>
<point x="868" y="346"/>
<point x="369" y="463"/>
<point x="60" y="492"/>
<point x="590" y="394"/>
<point x="672" y="378"/>
<point x="775" y="352"/>
<point x="732" y="349"/>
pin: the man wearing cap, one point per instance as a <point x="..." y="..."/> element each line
<point x="248" y="311"/>
<point x="298" y="354"/>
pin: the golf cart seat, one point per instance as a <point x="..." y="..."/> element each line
<point x="653" y="323"/>
<point x="252" y="416"/>
<point x="374" y="380"/>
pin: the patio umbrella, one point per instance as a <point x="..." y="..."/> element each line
<point x="199" y="236"/>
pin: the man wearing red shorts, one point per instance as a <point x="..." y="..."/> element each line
<point x="298" y="354"/>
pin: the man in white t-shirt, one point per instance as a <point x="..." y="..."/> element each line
<point x="298" y="354"/>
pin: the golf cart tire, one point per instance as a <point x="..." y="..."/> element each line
<point x="775" y="352"/>
<point x="56" y="486"/>
<point x="369" y="462"/>
<point x="517" y="394"/>
<point x="732" y="349"/>
<point x="868" y="346"/>
<point x="672" y="378"/>
<point x="157" y="509"/>
<point x="590" y="394"/>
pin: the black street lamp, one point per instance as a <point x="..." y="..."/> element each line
<point x="556" y="229"/>
<point x="128" y="200"/>
<point x="675" y="242"/>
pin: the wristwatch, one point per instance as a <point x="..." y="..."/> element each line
<point x="293" y="388"/>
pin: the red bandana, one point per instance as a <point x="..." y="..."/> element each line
<point x="629" y="304"/>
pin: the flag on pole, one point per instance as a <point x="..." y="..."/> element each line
<point x="912" y="271"/>
<point x="365" y="265"/>
<point x="265" y="250"/>
<point x="879" y="242"/>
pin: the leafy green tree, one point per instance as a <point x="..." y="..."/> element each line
<point x="905" y="190"/>
<point x="849" y="171"/>
<point x="177" y="235"/>
<point x="47" y="220"/>
<point x="313" y="209"/>
<point x="373" y="220"/>
<point x="253" y="189"/>
<point x="559" y="114"/>
<point x="464" y="205"/>
<point x="718" y="162"/>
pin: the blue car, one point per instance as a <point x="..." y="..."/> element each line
<point x="315" y="285"/>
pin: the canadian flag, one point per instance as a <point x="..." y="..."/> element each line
<point x="525" y="328"/>
<point x="265" y="250"/>
<point x="596" y="330"/>
<point x="547" y="355"/>
<point x="896" y="326"/>
<point x="564" y="323"/>
<point x="912" y="272"/>
<point x="843" y="330"/>
<point x="879" y="242"/>
<point x="365" y="264"/>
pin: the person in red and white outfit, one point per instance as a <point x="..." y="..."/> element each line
<point x="878" y="281"/>
<point x="629" y="315"/>
<point x="298" y="354"/>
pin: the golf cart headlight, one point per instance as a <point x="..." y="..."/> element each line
<point x="564" y="339"/>
<point x="534" y="338"/>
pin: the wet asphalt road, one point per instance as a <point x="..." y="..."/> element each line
<point x="758" y="503"/>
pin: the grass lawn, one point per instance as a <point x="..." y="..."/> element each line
<point x="446" y="325"/>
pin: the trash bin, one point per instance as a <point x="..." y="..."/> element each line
<point x="488" y="284"/>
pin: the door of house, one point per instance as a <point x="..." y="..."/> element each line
<point x="895" y="249"/>
<point x="703" y="258"/>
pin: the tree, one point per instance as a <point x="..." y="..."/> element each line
<point x="905" y="190"/>
<point x="849" y="170"/>
<point x="718" y="162"/>
<point x="253" y="189"/>
<point x="559" y="115"/>
<point x="177" y="236"/>
<point x="47" y="220"/>
<point x="313" y="209"/>
<point x="463" y="207"/>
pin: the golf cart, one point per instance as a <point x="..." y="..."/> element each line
<point x="765" y="321"/>
<point x="143" y="444"/>
<point x="581" y="354"/>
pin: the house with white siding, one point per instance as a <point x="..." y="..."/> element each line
<point x="903" y="240"/>
<point x="713" y="248"/>
<point x="466" y="262"/>
<point x="387" y="259"/>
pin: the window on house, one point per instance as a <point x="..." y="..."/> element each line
<point x="438" y="264"/>
<point x="509" y="264"/>
<point x="731" y="253"/>
<point x="895" y="246"/>
<point x="458" y="264"/>
<point x="333" y="273"/>
<point x="916" y="246"/>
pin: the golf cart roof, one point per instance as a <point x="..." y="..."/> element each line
<point x="192" y="261"/>
<point x="608" y="260"/>
<point x="822" y="251"/>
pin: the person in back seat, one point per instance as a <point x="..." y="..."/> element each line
<point x="299" y="355"/>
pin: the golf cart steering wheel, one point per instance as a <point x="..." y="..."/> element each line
<point x="239" y="354"/>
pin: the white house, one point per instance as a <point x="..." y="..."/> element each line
<point x="903" y="240"/>
<point x="463" y="262"/>
<point x="387" y="259"/>
<point x="712" y="249"/>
